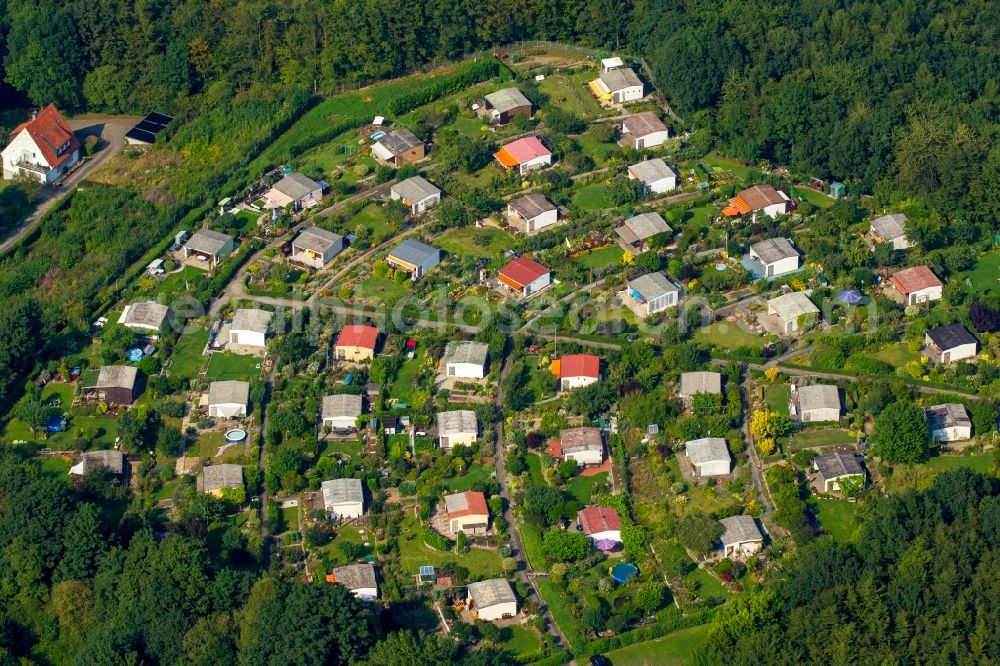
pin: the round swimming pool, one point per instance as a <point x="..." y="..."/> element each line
<point x="134" y="354"/>
<point x="236" y="435"/>
<point x="621" y="573"/>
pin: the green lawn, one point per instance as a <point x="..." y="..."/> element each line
<point x="982" y="463"/>
<point x="815" y="198"/>
<point x="225" y="366"/>
<point x="535" y="469"/>
<point x="600" y="152"/>
<point x="813" y="439"/>
<point x="698" y="217"/>
<point x="380" y="290"/>
<point x="349" y="447"/>
<point x="406" y="376"/>
<point x="673" y="649"/>
<point x="330" y="158"/>
<point x="182" y="280"/>
<point x="729" y="335"/>
<point x="475" y="242"/>
<point x="777" y="396"/>
<point x="290" y="517"/>
<point x="708" y="585"/>
<point x="373" y="218"/>
<point x="897" y="355"/>
<point x="582" y="487"/>
<point x="986" y="273"/>
<point x="571" y="93"/>
<point x="592" y="197"/>
<point x="836" y="516"/>
<point x="560" y="610"/>
<point x="57" y="467"/>
<point x="475" y="474"/>
<point x="602" y="257"/>
<point x="246" y="220"/>
<point x="531" y="538"/>
<point x="59" y="394"/>
<point x="100" y="431"/>
<point x="186" y="361"/>
<point x="470" y="126"/>
<point x="523" y="640"/>
<point x="920" y="477"/>
<point x="480" y="562"/>
<point x="717" y="162"/>
<point x="207" y="444"/>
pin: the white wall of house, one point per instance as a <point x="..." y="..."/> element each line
<point x="955" y="353"/>
<point x="23" y="148"/>
<point x="498" y="611"/>
<point x="227" y="410"/>
<point x="456" y="438"/>
<point x="608" y="535"/>
<point x="924" y="295"/>
<point x="247" y="338"/>
<point x="714" y="468"/>
<point x="546" y="219"/>
<point x="465" y="370"/>
<point x="820" y="414"/>
<point x="345" y="510"/>
<point x="537" y="284"/>
<point x="742" y="548"/>
<point x="629" y="94"/>
<point x="539" y="162"/>
<point x="774" y="210"/>
<point x="366" y="593"/>
<point x="651" y="140"/>
<point x="780" y="267"/>
<point x="568" y="383"/>
<point x="475" y="524"/>
<point x="341" y="422"/>
<point x="952" y="434"/>
<point x="583" y="458"/>
<point x="417" y="207"/>
<point x="661" y="302"/>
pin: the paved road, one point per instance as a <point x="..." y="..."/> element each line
<point x="524" y="570"/>
<point x="112" y="131"/>
<point x="261" y="463"/>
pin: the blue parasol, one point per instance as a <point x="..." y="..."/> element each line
<point x="849" y="297"/>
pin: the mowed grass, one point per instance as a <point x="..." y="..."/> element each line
<point x="582" y="487"/>
<point x="815" y="198"/>
<point x="224" y="366"/>
<point x="413" y="553"/>
<point x="476" y="474"/>
<point x="186" y="361"/>
<point x="476" y="242"/>
<point x="570" y="93"/>
<point x="406" y="376"/>
<point x="714" y="161"/>
<point x="777" y="396"/>
<point x="592" y="197"/>
<point x="187" y="278"/>
<point x="730" y="335"/>
<point x="372" y="217"/>
<point x="814" y="439"/>
<point x="380" y="290"/>
<point x="531" y="538"/>
<point x="522" y="640"/>
<point x="837" y="517"/>
<point x="897" y="355"/>
<point x="603" y="257"/>
<point x="986" y="273"/>
<point x="673" y="649"/>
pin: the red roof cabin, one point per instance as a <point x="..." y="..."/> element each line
<point x="577" y="370"/>
<point x="356" y="342"/>
<point x="917" y="285"/>
<point x="525" y="277"/>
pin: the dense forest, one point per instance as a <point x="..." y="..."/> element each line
<point x="898" y="97"/>
<point x="919" y="584"/>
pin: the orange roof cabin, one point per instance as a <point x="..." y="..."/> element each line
<point x="356" y="343"/>
<point x="43" y="148"/>
<point x="525" y="154"/>
<point x="525" y="277"/>
<point x="763" y="198"/>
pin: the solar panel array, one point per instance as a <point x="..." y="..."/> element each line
<point x="147" y="129"/>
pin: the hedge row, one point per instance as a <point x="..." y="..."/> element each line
<point x="557" y="659"/>
<point x="464" y="78"/>
<point x="649" y="632"/>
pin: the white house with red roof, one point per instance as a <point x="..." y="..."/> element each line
<point x="917" y="285"/>
<point x="578" y="370"/>
<point x="600" y="523"/>
<point x="525" y="277"/>
<point x="356" y="342"/>
<point x="525" y="154"/>
<point x="42" y="148"/>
